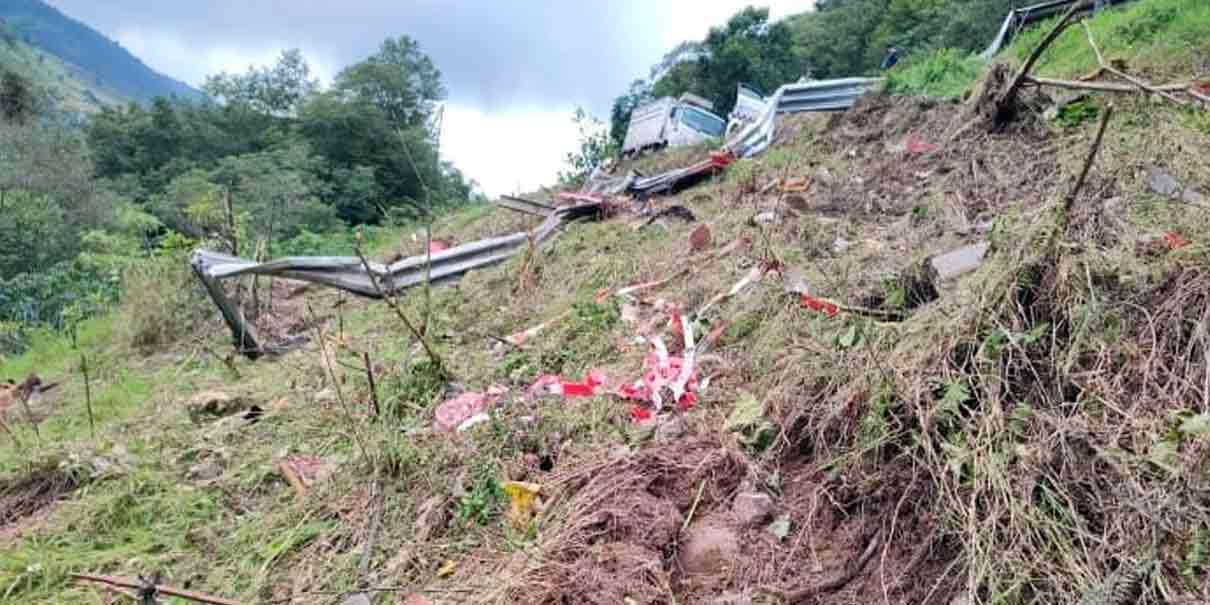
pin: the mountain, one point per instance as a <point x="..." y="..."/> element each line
<point x="100" y="63"/>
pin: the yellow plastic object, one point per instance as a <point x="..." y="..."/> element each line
<point x="523" y="496"/>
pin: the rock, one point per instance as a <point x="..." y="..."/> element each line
<point x="958" y="262"/>
<point x="824" y="175"/>
<point x="205" y="471"/>
<point x="708" y="549"/>
<point x="357" y="599"/>
<point x="796" y="281"/>
<point x="752" y="508"/>
<point x="670" y="428"/>
<point x="417" y="599"/>
<point x="214" y="403"/>
<point x="431" y="518"/>
<point x="841" y="245"/>
<point x="1162" y="183"/>
<point x="765" y="218"/>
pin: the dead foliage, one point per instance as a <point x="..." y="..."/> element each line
<point x="23" y="497"/>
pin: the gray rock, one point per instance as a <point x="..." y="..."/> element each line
<point x="1162" y="183"/>
<point x="958" y="262"/>
<point x="205" y="471"/>
<point x="670" y="428"/>
<point x="752" y="508"/>
<point x="357" y="599"/>
<point x="841" y="245"/>
<point x="765" y="218"/>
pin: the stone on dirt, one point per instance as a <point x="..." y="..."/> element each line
<point x="708" y="548"/>
<point x="1162" y="183"/>
<point x="961" y="261"/>
<point x="752" y="507"/>
<point x="357" y="599"/>
<point x="214" y="404"/>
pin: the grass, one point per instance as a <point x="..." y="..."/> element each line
<point x="947" y="74"/>
<point x="1158" y="39"/>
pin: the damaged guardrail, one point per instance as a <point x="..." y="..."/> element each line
<point x="349" y="273"/>
<point x="1017" y="19"/>
<point x="819" y="95"/>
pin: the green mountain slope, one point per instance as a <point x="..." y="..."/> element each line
<point x="67" y="89"/>
<point x="103" y="60"/>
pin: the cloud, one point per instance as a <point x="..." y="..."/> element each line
<point x="511" y="152"/>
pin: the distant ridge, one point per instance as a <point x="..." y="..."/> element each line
<point x="109" y="64"/>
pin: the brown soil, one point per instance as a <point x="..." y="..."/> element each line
<point x="26" y="501"/>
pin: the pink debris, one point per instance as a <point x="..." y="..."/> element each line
<point x="818" y="304"/>
<point x="662" y="371"/>
<point x="1175" y="241"/>
<point x="453" y="413"/>
<point x="640" y="414"/>
<point x="557" y="385"/>
<point x="439" y="245"/>
<point x="916" y="144"/>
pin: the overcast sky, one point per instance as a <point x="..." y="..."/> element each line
<point x="515" y="70"/>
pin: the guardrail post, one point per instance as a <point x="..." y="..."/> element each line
<point x="242" y="332"/>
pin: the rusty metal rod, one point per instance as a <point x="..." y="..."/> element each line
<point x="164" y="590"/>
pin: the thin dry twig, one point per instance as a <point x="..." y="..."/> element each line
<point x="393" y="303"/>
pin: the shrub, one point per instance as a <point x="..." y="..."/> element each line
<point x="945" y="73"/>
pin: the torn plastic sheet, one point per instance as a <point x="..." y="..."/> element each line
<point x="665" y="375"/>
<point x="826" y="307"/>
<point x="557" y="385"/>
<point x="1175" y="241"/>
<point x="467" y="410"/>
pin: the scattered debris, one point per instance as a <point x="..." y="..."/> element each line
<point x="523" y="499"/>
<point x="557" y="385"/>
<point x="677" y="212"/>
<point x="1175" y="241"/>
<point x="301" y="472"/>
<point x="960" y="261"/>
<point x="820" y="305"/>
<point x="447" y="568"/>
<point x="149" y="589"/>
<point x="700" y="239"/>
<point x="452" y="414"/>
<point x="794" y="185"/>
<point x="440" y="245"/>
<point x="915" y="144"/>
<point x="767" y="217"/>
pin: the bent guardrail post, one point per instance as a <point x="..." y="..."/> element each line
<point x="246" y="341"/>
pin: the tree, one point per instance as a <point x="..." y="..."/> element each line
<point x="278" y="90"/>
<point x="18" y="102"/>
<point x="399" y="79"/>
<point x="596" y="146"/>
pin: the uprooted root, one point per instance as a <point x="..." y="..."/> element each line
<point x="22" y="497"/>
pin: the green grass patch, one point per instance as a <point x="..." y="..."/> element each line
<point x="1159" y="38"/>
<point x="947" y="73"/>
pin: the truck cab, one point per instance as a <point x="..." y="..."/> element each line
<point x="672" y="122"/>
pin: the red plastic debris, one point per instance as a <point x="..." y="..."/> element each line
<point x="817" y="304"/>
<point x="721" y="159"/>
<point x="1202" y="87"/>
<point x="1175" y="241"/>
<point x="639" y="413"/>
<point x="557" y="385"/>
<point x="916" y="144"/>
<point x="660" y="370"/>
<point x="439" y="245"/>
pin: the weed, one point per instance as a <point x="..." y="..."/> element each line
<point x="1074" y="114"/>
<point x="484" y="498"/>
<point x="946" y="73"/>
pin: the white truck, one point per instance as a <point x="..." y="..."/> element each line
<point x="672" y="122"/>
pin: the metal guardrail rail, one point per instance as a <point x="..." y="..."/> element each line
<point x="1018" y="19"/>
<point x="349" y="273"/>
<point x="819" y="95"/>
<point x="522" y="205"/>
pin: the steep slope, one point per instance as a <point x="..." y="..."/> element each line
<point x="68" y="90"/>
<point x="106" y="63"/>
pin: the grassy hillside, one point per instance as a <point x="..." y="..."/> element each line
<point x="67" y="88"/>
<point x="1033" y="431"/>
<point x="106" y="64"/>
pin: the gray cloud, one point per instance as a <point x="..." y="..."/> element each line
<point x="551" y="53"/>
